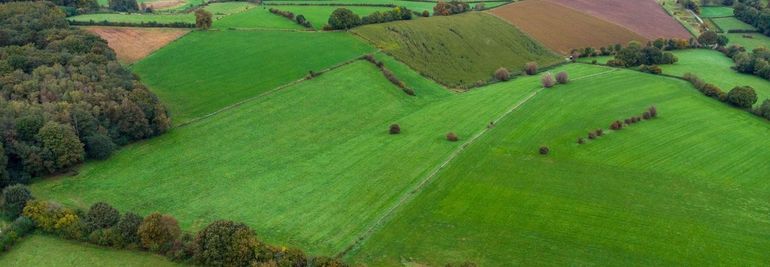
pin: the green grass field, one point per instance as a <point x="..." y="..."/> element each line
<point x="714" y="67"/>
<point x="458" y="50"/>
<point x="756" y="40"/>
<point x="219" y="10"/>
<point x="716" y="11"/>
<point x="40" y="250"/>
<point x="206" y="71"/>
<point x="418" y="6"/>
<point x="731" y="23"/>
<point x="319" y="15"/>
<point x="687" y="188"/>
<point x="256" y="18"/>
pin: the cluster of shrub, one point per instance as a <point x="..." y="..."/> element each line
<point x="650" y="113"/>
<point x="389" y="74"/>
<point x="754" y="62"/>
<point x="752" y="12"/>
<point x="503" y="74"/>
<point x="300" y="19"/>
<point x="635" y="55"/>
<point x="548" y="81"/>
<point x="343" y="18"/>
<point x="151" y="24"/>
<point x="453" y="7"/>
<point x="660" y="43"/>
<point x="319" y="3"/>
<point x="63" y="96"/>
<point x="740" y="96"/>
<point x="221" y="243"/>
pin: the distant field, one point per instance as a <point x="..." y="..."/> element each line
<point x="731" y="23"/>
<point x="133" y="44"/>
<point x="756" y="40"/>
<point x="40" y="250"/>
<point x="458" y="50"/>
<point x="649" y="195"/>
<point x="412" y="5"/>
<point x="319" y="15"/>
<point x="256" y="18"/>
<point x="206" y="71"/>
<point x="714" y="67"/>
<point x="563" y="29"/>
<point x="219" y="10"/>
<point x="716" y="11"/>
<point x="644" y="17"/>
<point x="163" y="5"/>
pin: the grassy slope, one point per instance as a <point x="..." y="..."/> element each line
<point x="256" y="18"/>
<point x="206" y="71"/>
<point x="458" y="50"/>
<point x="319" y="15"/>
<point x="314" y="173"/>
<point x="685" y="189"/>
<point x="39" y="250"/>
<point x="714" y="67"/>
<point x="757" y="40"/>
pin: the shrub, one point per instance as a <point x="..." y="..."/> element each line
<point x="617" y="125"/>
<point x="328" y="262"/>
<point x="99" y="146"/>
<point x="202" y="19"/>
<point x="547" y="80"/>
<point x="53" y="218"/>
<point x="581" y="141"/>
<point x="102" y="237"/>
<point x="593" y="61"/>
<point x="616" y="63"/>
<point x="708" y="38"/>
<point x="409" y="91"/>
<point x="742" y="96"/>
<point x="15" y="197"/>
<point x="452" y="137"/>
<point x="62" y="142"/>
<point x="224" y="243"/>
<point x="599" y="132"/>
<point x="544" y="150"/>
<point x="653" y="111"/>
<point x="628" y="121"/>
<point x="562" y="77"/>
<point x="157" y="232"/>
<point x="652" y="69"/>
<point x="343" y="19"/>
<point x="530" y="68"/>
<point x="101" y="215"/>
<point x="591" y="135"/>
<point x="646" y="115"/>
<point x="395" y="129"/>
<point x="712" y="91"/>
<point x="127" y="229"/>
<point x="502" y="74"/>
<point x="425" y="13"/>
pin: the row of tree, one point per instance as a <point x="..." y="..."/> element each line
<point x="752" y="12"/>
<point x="343" y="18"/>
<point x="634" y="54"/>
<point x="63" y="96"/>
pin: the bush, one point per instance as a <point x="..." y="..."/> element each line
<point x="99" y="146"/>
<point x="562" y="77"/>
<point x="547" y="80"/>
<point x="502" y="74"/>
<point x="53" y="218"/>
<point x="157" y="232"/>
<point x="708" y="38"/>
<point x="395" y="129"/>
<point x="101" y="215"/>
<point x="425" y="13"/>
<point x="544" y="150"/>
<point x="646" y="115"/>
<point x="599" y="132"/>
<point x="591" y="135"/>
<point x="102" y="237"/>
<point x="581" y="141"/>
<point x="127" y="229"/>
<point x="530" y="68"/>
<point x="343" y="19"/>
<point x="15" y="197"/>
<point x="409" y="91"/>
<point x="452" y="137"/>
<point x="616" y="125"/>
<point x="225" y="243"/>
<point x="653" y="111"/>
<point x="202" y="19"/>
<point x="652" y="69"/>
<point x="742" y="97"/>
<point x="328" y="262"/>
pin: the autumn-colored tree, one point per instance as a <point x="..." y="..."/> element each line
<point x="225" y="243"/>
<point x="157" y="231"/>
<point x="202" y="19"/>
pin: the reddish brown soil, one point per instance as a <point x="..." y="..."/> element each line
<point x="645" y="17"/>
<point x="563" y="29"/>
<point x="133" y="44"/>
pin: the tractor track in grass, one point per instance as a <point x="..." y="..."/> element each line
<point x="412" y="193"/>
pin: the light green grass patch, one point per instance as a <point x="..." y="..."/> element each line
<point x="731" y="23"/>
<point x="651" y="194"/>
<point x="319" y="15"/>
<point x="714" y="67"/>
<point x="757" y="40"/>
<point x="218" y="10"/>
<point x="458" y="50"/>
<point x="206" y="71"/>
<point x="40" y="250"/>
<point x="256" y="18"/>
<point x="716" y="11"/>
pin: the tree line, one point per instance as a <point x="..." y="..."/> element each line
<point x="752" y="12"/>
<point x="63" y="96"/>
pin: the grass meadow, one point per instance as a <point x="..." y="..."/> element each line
<point x="206" y="71"/>
<point x="458" y="50"/>
<point x="255" y="18"/>
<point x="42" y="250"/>
<point x="319" y="15"/>
<point x="731" y="23"/>
<point x="716" y="11"/>
<point x="218" y="10"/>
<point x="757" y="40"/>
<point x="685" y="188"/>
<point x="418" y="6"/>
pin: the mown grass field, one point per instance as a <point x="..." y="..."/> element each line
<point x="731" y="23"/>
<point x="757" y="40"/>
<point x="319" y="15"/>
<point x="255" y="18"/>
<point x="412" y="5"/>
<point x="41" y="250"/>
<point x="714" y="67"/>
<point x="458" y="50"/>
<point x="716" y="11"/>
<point x="218" y="10"/>
<point x="685" y="188"/>
<point x="206" y="71"/>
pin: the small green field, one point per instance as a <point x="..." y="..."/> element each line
<point x="458" y="50"/>
<point x="714" y="67"/>
<point x="757" y="40"/>
<point x="206" y="71"/>
<point x="218" y="10"/>
<point x="319" y="15"/>
<point x="731" y="23"/>
<point x="650" y="195"/>
<point x="40" y="250"/>
<point x="716" y="11"/>
<point x="418" y="6"/>
<point x="256" y="18"/>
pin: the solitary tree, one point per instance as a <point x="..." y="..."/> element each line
<point x="202" y="19"/>
<point x="502" y="74"/>
<point x="708" y="38"/>
<point x="343" y="18"/>
<point x="530" y="68"/>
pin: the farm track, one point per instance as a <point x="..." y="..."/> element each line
<point x="412" y="193"/>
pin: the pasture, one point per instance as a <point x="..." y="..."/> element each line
<point x="256" y="18"/>
<point x="645" y="17"/>
<point x="206" y="71"/>
<point x="749" y="40"/>
<point x="319" y="15"/>
<point x="218" y="10"/>
<point x="716" y="11"/>
<point x="458" y="50"/>
<point x="714" y="67"/>
<point x="650" y="194"/>
<point x="731" y="23"/>
<point x="563" y="29"/>
<point x="41" y="250"/>
<point x="133" y="44"/>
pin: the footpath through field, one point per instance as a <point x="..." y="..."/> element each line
<point x="415" y="190"/>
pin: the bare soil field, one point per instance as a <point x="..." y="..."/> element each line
<point x="133" y="44"/>
<point x="165" y="4"/>
<point x="563" y="29"/>
<point x="645" y="17"/>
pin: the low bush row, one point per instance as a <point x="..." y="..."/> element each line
<point x="221" y="243"/>
<point x="503" y="74"/>
<point x="299" y="19"/>
<point x="650" y="113"/>
<point x="451" y="8"/>
<point x="152" y="24"/>
<point x="389" y="74"/>
<point x="740" y="96"/>
<point x="660" y="43"/>
<point x="343" y="18"/>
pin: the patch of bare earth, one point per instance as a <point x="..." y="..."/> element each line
<point x="133" y="44"/>
<point x="563" y="29"/>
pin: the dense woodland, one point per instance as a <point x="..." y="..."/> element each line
<point x="63" y="96"/>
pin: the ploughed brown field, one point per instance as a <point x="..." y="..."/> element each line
<point x="133" y="44"/>
<point x="645" y="17"/>
<point x="563" y="29"/>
